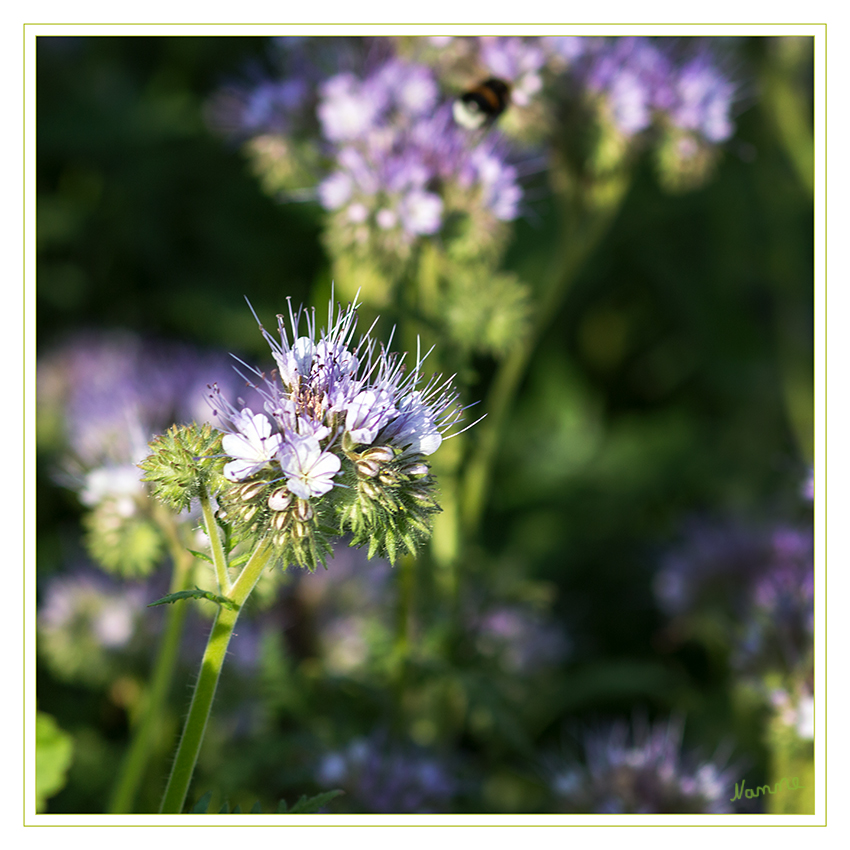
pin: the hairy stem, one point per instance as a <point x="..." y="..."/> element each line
<point x="219" y="559"/>
<point x="202" y="698"/>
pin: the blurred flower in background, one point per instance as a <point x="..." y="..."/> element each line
<point x="522" y="639"/>
<point x="383" y="777"/>
<point x="748" y="592"/>
<point x="760" y="581"/>
<point x="641" y="770"/>
<point x="90" y="626"/>
<point x="348" y="611"/>
<point x="101" y="397"/>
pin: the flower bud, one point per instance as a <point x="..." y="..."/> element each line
<point x="367" y="468"/>
<point x="248" y="492"/>
<point x="378" y="454"/>
<point x="280" y="500"/>
<point x="303" y="510"/>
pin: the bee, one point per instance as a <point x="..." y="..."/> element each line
<point x="482" y="104"/>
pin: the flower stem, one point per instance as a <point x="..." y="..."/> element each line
<point x="202" y="699"/>
<point x="219" y="559"/>
<point x="138" y="755"/>
<point x="199" y="712"/>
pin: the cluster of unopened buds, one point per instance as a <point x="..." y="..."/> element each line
<point x="339" y="447"/>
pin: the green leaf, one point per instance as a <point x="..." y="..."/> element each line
<point x="311" y="805"/>
<point x="54" y="750"/>
<point x="240" y="559"/>
<point x="200" y="555"/>
<point x="200" y="808"/>
<point x="197" y="593"/>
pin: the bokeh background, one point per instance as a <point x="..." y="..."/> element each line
<point x="655" y="453"/>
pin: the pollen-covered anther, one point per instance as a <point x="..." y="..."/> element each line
<point x="303" y="510"/>
<point x="280" y="500"/>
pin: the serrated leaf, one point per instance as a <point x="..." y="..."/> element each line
<point x="200" y="808"/>
<point x="200" y="555"/>
<point x="197" y="593"/>
<point x="311" y="805"/>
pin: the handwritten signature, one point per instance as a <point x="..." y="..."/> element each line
<point x="784" y="784"/>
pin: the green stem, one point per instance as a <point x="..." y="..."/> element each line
<point x="199" y="712"/>
<point x="202" y="699"/>
<point x="138" y="755"/>
<point x="587" y="220"/>
<point x="219" y="559"/>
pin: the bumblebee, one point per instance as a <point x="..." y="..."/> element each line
<point x="483" y="104"/>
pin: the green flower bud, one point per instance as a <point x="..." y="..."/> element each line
<point x="184" y="462"/>
<point x="391" y="511"/>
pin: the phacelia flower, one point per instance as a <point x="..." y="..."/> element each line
<point x="309" y="470"/>
<point x="253" y="445"/>
<point x="342" y="437"/>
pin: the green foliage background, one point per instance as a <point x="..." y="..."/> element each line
<point x="676" y="380"/>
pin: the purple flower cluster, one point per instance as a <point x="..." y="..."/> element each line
<point x="640" y="772"/>
<point x="385" y="151"/>
<point x="760" y="579"/>
<point x="109" y="393"/>
<point x="385" y="778"/>
<point x="397" y="150"/>
<point x="327" y="394"/>
<point x="641" y="79"/>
